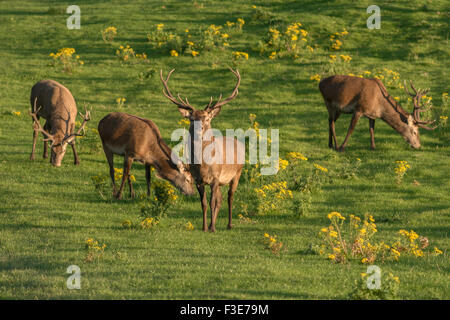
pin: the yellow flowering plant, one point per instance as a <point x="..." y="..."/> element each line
<point x="270" y="197"/>
<point x="400" y="170"/>
<point x="189" y="226"/>
<point x="388" y="290"/>
<point x="163" y="197"/>
<point x="149" y="222"/>
<point x="292" y="42"/>
<point x="272" y="243"/>
<point x="355" y="240"/>
<point x="128" y="55"/>
<point x="101" y="181"/>
<point x="337" y="39"/>
<point x="340" y="63"/>
<point x="120" y="102"/>
<point x="94" y="250"/>
<point x="109" y="34"/>
<point x="67" y="58"/>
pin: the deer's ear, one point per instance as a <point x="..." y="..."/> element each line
<point x="185" y="113"/>
<point x="214" y="112"/>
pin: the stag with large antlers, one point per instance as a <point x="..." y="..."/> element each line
<point x="369" y="98"/>
<point x="139" y="139"/>
<point x="54" y="102"/>
<point x="223" y="165"/>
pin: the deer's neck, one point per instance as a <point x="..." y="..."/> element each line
<point x="395" y="116"/>
<point x="163" y="162"/>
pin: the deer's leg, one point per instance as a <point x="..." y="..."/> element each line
<point x="201" y="191"/>
<point x="355" y="118"/>
<point x="110" y="157"/>
<point x="130" y="185"/>
<point x="148" y="178"/>
<point x="332" y="131"/>
<point x="46" y="128"/>
<point x="35" y="135"/>
<point x="128" y="161"/>
<point x="76" y="159"/>
<point x="216" y="201"/>
<point x="233" y="186"/>
<point x="372" y="136"/>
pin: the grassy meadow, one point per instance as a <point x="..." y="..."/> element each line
<point x="48" y="213"/>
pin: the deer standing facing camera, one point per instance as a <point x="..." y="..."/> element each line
<point x="213" y="169"/>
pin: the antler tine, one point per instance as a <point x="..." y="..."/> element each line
<point x="210" y="103"/>
<point x="166" y="91"/>
<point x="36" y="124"/>
<point x="86" y="117"/>
<point x="418" y="108"/>
<point x="407" y="90"/>
<point x="412" y="86"/>
<point x="233" y="94"/>
<point x="182" y="101"/>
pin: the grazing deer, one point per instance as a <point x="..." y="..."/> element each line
<point x="139" y="139"/>
<point x="54" y="102"/>
<point x="369" y="98"/>
<point x="220" y="171"/>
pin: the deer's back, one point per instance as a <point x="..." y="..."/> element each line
<point x="348" y="93"/>
<point x="122" y="132"/>
<point x="54" y="100"/>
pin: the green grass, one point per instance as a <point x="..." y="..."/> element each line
<point x="47" y="213"/>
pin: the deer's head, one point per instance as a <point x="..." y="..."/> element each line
<point x="60" y="139"/>
<point x="200" y="120"/>
<point x="412" y="135"/>
<point x="184" y="181"/>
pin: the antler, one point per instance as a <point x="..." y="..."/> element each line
<point x="37" y="125"/>
<point x="231" y="97"/>
<point x="166" y="91"/>
<point x="418" y="94"/>
<point x="86" y="117"/>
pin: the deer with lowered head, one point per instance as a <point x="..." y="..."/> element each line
<point x="369" y="98"/>
<point x="225" y="159"/>
<point x="139" y="139"/>
<point x="54" y="102"/>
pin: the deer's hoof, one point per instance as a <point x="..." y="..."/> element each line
<point x="341" y="149"/>
<point x="118" y="196"/>
<point x="230" y="226"/>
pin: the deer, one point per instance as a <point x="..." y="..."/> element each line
<point x="54" y="102"/>
<point x="139" y="139"/>
<point x="218" y="172"/>
<point x="369" y="98"/>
